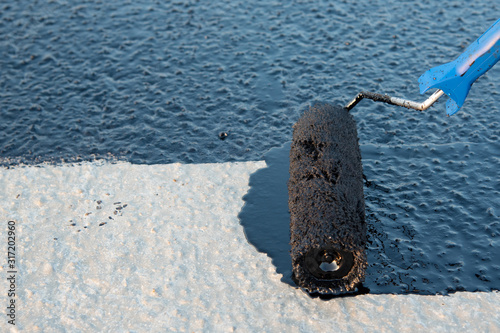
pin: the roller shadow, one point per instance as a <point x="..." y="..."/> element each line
<point x="264" y="217"/>
<point x="427" y="233"/>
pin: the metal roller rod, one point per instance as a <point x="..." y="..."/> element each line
<point x="395" y="100"/>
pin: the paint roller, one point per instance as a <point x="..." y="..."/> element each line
<point x="325" y="189"/>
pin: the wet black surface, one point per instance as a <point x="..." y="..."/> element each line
<point x="156" y="82"/>
<point x="264" y="217"/>
<point x="432" y="229"/>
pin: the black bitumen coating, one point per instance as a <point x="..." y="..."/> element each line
<point x="327" y="208"/>
<point x="155" y="82"/>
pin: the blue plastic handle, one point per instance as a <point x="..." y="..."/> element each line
<point x="456" y="78"/>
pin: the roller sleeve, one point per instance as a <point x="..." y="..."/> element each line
<point x="326" y="202"/>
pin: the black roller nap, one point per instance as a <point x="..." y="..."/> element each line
<point x="325" y="198"/>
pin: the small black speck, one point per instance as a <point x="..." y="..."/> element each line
<point x="99" y="202"/>
<point x="223" y="135"/>
<point x="85" y="227"/>
<point x="110" y="217"/>
<point x="102" y="223"/>
<point x="72" y="224"/>
<point x="79" y="230"/>
<point x="55" y="238"/>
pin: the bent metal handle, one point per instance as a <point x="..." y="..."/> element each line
<point x="395" y="100"/>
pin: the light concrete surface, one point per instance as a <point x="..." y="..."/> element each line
<point x="117" y="247"/>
